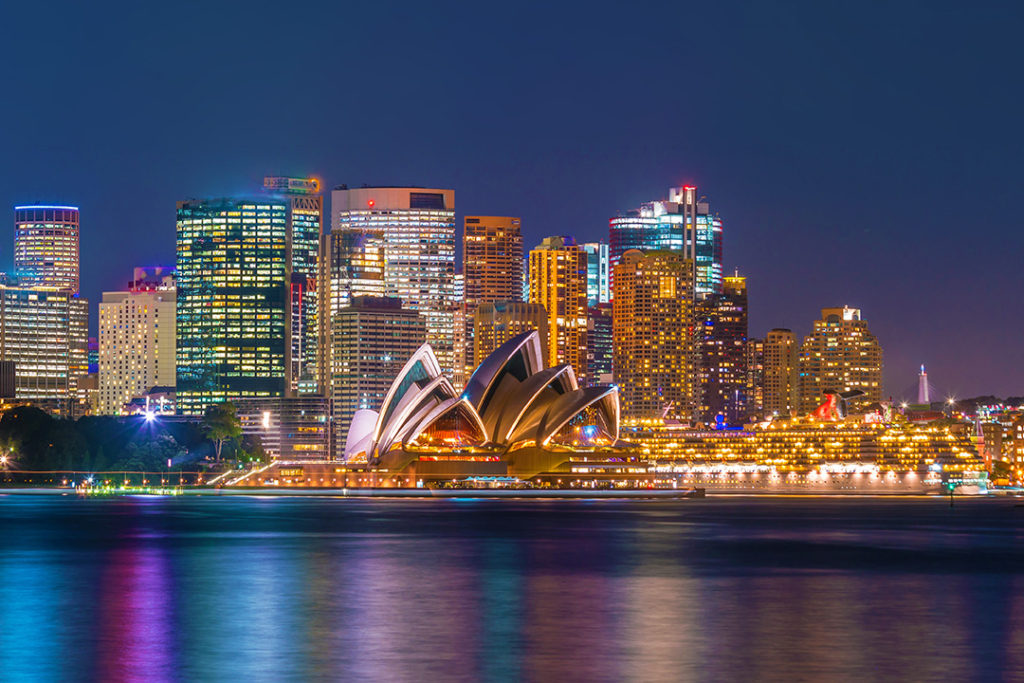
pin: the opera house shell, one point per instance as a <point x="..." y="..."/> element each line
<point x="514" y="417"/>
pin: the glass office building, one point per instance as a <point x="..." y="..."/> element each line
<point x="232" y="301"/>
<point x="683" y="223"/>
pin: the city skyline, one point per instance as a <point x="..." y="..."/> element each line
<point x="810" y="175"/>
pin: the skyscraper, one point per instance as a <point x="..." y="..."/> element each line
<point x="304" y="226"/>
<point x="45" y="333"/>
<point x="372" y="339"/>
<point x="495" y="323"/>
<point x="840" y="354"/>
<point x="419" y="236"/>
<point x="136" y="340"/>
<point x="598" y="265"/>
<point x="721" y="331"/>
<point x="682" y="223"/>
<point x="492" y="270"/>
<point x="46" y="246"/>
<point x="558" y="282"/>
<point x="600" y="347"/>
<point x="232" y="301"/>
<point x="352" y="266"/>
<point x="781" y="372"/>
<point x="651" y="323"/>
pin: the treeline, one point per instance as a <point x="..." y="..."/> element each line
<point x="34" y="440"/>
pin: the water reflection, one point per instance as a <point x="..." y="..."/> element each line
<point x="214" y="589"/>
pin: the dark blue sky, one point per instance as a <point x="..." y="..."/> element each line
<point x="861" y="153"/>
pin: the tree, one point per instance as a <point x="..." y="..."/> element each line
<point x="221" y="424"/>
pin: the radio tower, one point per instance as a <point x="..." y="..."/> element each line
<point x="922" y="388"/>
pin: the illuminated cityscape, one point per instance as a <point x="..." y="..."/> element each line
<point x="704" y="377"/>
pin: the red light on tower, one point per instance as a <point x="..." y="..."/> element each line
<point x="689" y="187"/>
<point x="371" y="203"/>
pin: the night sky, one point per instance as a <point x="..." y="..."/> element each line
<point x="860" y="153"/>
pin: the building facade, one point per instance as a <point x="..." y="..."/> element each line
<point x="372" y="339"/>
<point x="781" y="373"/>
<point x="840" y="354"/>
<point x="683" y="223"/>
<point x="600" y="344"/>
<point x="558" y="282"/>
<point x="46" y="246"/>
<point x="302" y="254"/>
<point x="232" y="301"/>
<point x="598" y="272"/>
<point x="352" y="266"/>
<point x="137" y="341"/>
<point x="295" y="428"/>
<point x="755" y="377"/>
<point x="44" y="332"/>
<point x="492" y="270"/>
<point x="651" y="323"/>
<point x="418" y="225"/>
<point x="721" y="335"/>
<point x="499" y="321"/>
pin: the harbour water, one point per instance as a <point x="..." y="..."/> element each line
<point x="730" y="588"/>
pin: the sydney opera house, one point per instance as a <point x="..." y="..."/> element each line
<point x="514" y="418"/>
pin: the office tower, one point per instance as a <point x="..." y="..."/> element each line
<point x="495" y="323"/>
<point x="600" y="347"/>
<point x="352" y="266"/>
<point x="840" y="354"/>
<point x="46" y="247"/>
<point x="372" y="338"/>
<point x="720" y="326"/>
<point x="419" y="259"/>
<point x="136" y="340"/>
<point x="755" y="377"/>
<point x="682" y="223"/>
<point x="651" y="323"/>
<point x="558" y="282"/>
<point x="304" y="226"/>
<point x="492" y="270"/>
<point x="598" y="264"/>
<point x="781" y="373"/>
<point x="45" y="334"/>
<point x="232" y="277"/>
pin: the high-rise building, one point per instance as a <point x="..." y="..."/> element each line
<point x="755" y="377"/>
<point x="353" y="265"/>
<point x="419" y="262"/>
<point x="840" y="354"/>
<point x="372" y="339"/>
<point x="598" y="265"/>
<point x="781" y="373"/>
<point x="45" y="333"/>
<point x="232" y="301"/>
<point x="46" y="247"/>
<point x="682" y="223"/>
<point x="136" y="340"/>
<point x="495" y="323"/>
<point x="720" y="327"/>
<point x="492" y="270"/>
<point x="651" y="322"/>
<point x="600" y="347"/>
<point x="558" y="282"/>
<point x="304" y="226"/>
